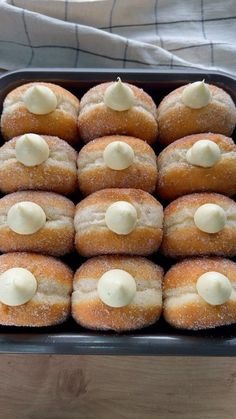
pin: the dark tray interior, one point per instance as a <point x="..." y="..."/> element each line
<point x="159" y="339"/>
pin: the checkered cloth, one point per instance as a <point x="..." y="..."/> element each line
<point x="166" y="34"/>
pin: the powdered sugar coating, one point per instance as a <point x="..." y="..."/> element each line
<point x="95" y="95"/>
<point x="94" y="174"/>
<point x="65" y="100"/>
<point x="93" y="236"/>
<point x="57" y="174"/>
<point x="184" y="308"/>
<point x="96" y="119"/>
<point x="177" y="120"/>
<point x="17" y="120"/>
<point x="57" y="235"/>
<point x="177" y="177"/>
<point x="182" y="238"/>
<point x="145" y="309"/>
<point x="51" y="303"/>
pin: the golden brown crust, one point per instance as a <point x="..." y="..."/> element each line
<point x="52" y="241"/>
<point x="58" y="90"/>
<point x="99" y="144"/>
<point x="177" y="177"/>
<point x="55" y="238"/>
<point x="44" y="309"/>
<point x="94" y="314"/>
<point x="198" y="315"/>
<point x="55" y="175"/>
<point x="39" y="265"/>
<point x="190" y="241"/>
<point x="187" y="240"/>
<point x="144" y="240"/>
<point x="226" y="144"/>
<point x="176" y="120"/>
<point x="60" y="123"/>
<point x="187" y="272"/>
<point x="196" y="200"/>
<point x="97" y="120"/>
<point x="195" y="313"/>
<point x="87" y="315"/>
<point x="142" y="174"/>
<point x="136" y="266"/>
<point x="34" y="315"/>
<point x="49" y="199"/>
<point x="96" y="94"/>
<point x="56" y="123"/>
<point x="112" y="194"/>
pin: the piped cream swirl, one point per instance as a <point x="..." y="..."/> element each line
<point x="116" y="288"/>
<point x="118" y="96"/>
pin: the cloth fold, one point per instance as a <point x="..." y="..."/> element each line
<point x="166" y="34"/>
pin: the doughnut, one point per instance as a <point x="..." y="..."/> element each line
<point x="122" y="221"/>
<point x="117" y="293"/>
<point x="200" y="224"/>
<point x="40" y="108"/>
<point x="200" y="293"/>
<point x="36" y="222"/>
<point x="117" y="108"/>
<point x="195" y="108"/>
<point x="34" y="290"/>
<point x="197" y="163"/>
<point x="38" y="162"/>
<point x="117" y="162"/>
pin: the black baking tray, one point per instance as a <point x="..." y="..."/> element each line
<point x="159" y="339"/>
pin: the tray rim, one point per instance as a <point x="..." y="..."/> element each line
<point x="85" y="71"/>
<point x="128" y="345"/>
<point x="89" y="343"/>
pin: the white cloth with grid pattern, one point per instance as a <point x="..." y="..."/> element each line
<point x="166" y="34"/>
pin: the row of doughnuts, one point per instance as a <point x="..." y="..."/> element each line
<point x="197" y="163"/>
<point x="116" y="292"/>
<point x="42" y="162"/>
<point x="117" y="108"/>
<point x="118" y="221"/>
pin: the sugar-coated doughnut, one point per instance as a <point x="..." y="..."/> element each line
<point x="122" y="221"/>
<point x="38" y="162"/>
<point x="197" y="163"/>
<point x="40" y="108"/>
<point x="195" y="108"/>
<point x="117" y="293"/>
<point x="200" y="224"/>
<point x="117" y="108"/>
<point x="34" y="290"/>
<point x="36" y="222"/>
<point x="117" y="162"/>
<point x="200" y="293"/>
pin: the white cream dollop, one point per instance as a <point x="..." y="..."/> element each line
<point x="39" y="99"/>
<point x="203" y="153"/>
<point x="210" y="218"/>
<point x="118" y="96"/>
<point x="196" y="95"/>
<point x="17" y="286"/>
<point x="116" y="288"/>
<point x="121" y="217"/>
<point x="26" y="217"/>
<point x="31" y="150"/>
<point x="214" y="288"/>
<point x="118" y="155"/>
